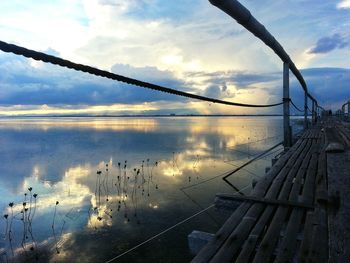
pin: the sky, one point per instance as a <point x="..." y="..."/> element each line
<point x="188" y="45"/>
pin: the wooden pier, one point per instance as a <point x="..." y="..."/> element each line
<point x="299" y="211"/>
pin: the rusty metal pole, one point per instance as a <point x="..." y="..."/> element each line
<point x="287" y="134"/>
<point x="305" y="111"/>
<point x="313" y="113"/>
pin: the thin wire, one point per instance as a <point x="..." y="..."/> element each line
<point x="161" y="233"/>
<point x="204" y="181"/>
<point x="247" y="143"/>
<point x="172" y="227"/>
<point x="201" y="207"/>
<point x="242" y="166"/>
<point x="308" y="109"/>
<point x="296" y="106"/>
<point x="257" y="157"/>
<point x="102" y="73"/>
<point x="186" y="219"/>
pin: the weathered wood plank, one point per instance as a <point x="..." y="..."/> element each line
<point x="312" y="219"/>
<point x="241" y="232"/>
<point x="339" y="208"/>
<point x="307" y="237"/>
<point x="268" y="243"/>
<point x="266" y="201"/>
<point x="251" y="242"/>
<point x="288" y="245"/>
<point x="220" y="237"/>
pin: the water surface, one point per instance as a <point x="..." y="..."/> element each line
<point x="104" y="185"/>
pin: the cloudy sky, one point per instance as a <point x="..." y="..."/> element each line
<point x="188" y="45"/>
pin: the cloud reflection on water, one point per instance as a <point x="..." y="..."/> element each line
<point x="60" y="160"/>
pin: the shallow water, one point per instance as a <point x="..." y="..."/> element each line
<point x="104" y="185"/>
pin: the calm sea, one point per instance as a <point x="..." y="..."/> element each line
<point x="90" y="189"/>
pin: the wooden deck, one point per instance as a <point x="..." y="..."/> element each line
<point x="285" y="218"/>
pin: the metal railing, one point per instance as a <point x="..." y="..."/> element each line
<point x="242" y="15"/>
<point x="346" y="114"/>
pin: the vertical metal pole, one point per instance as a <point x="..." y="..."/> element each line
<point x="287" y="134"/>
<point x="313" y="113"/>
<point x="305" y="111"/>
<point x="348" y="110"/>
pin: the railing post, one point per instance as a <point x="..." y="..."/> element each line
<point x="287" y="131"/>
<point x="305" y="110"/>
<point x="313" y="113"/>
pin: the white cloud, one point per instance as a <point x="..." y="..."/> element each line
<point x="343" y="4"/>
<point x="103" y="33"/>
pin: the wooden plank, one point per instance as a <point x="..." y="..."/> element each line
<point x="251" y="242"/>
<point x="305" y="247"/>
<point x="312" y="217"/>
<point x="268" y="243"/>
<point x="321" y="180"/>
<point x="344" y="136"/>
<point x="241" y="232"/>
<point x="289" y="242"/>
<point x="266" y="201"/>
<point x="305" y="134"/>
<point x="220" y="237"/>
<point x="319" y="244"/>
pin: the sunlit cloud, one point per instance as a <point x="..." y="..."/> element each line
<point x="343" y="4"/>
<point x="93" y="110"/>
<point x="153" y="39"/>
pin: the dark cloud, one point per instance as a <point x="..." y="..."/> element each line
<point x="218" y="92"/>
<point x="213" y="92"/>
<point x="241" y="79"/>
<point x="22" y="84"/>
<point x="223" y="88"/>
<point x="327" y="44"/>
<point x="329" y="86"/>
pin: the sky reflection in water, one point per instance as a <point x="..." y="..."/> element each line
<point x="118" y="181"/>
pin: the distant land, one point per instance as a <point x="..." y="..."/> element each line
<point x="145" y="115"/>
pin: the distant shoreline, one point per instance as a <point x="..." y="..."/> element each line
<point x="147" y="116"/>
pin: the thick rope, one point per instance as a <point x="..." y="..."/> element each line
<point x="102" y="73"/>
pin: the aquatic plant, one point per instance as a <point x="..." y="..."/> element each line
<point x="30" y="219"/>
<point x="10" y="228"/>
<point x="149" y="178"/>
<point x="134" y="191"/>
<point x="106" y="183"/>
<point x="54" y="215"/>
<point x="7" y="224"/>
<point x="24" y="219"/>
<point x="34" y="209"/>
<point x="30" y="202"/>
<point x="53" y="227"/>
